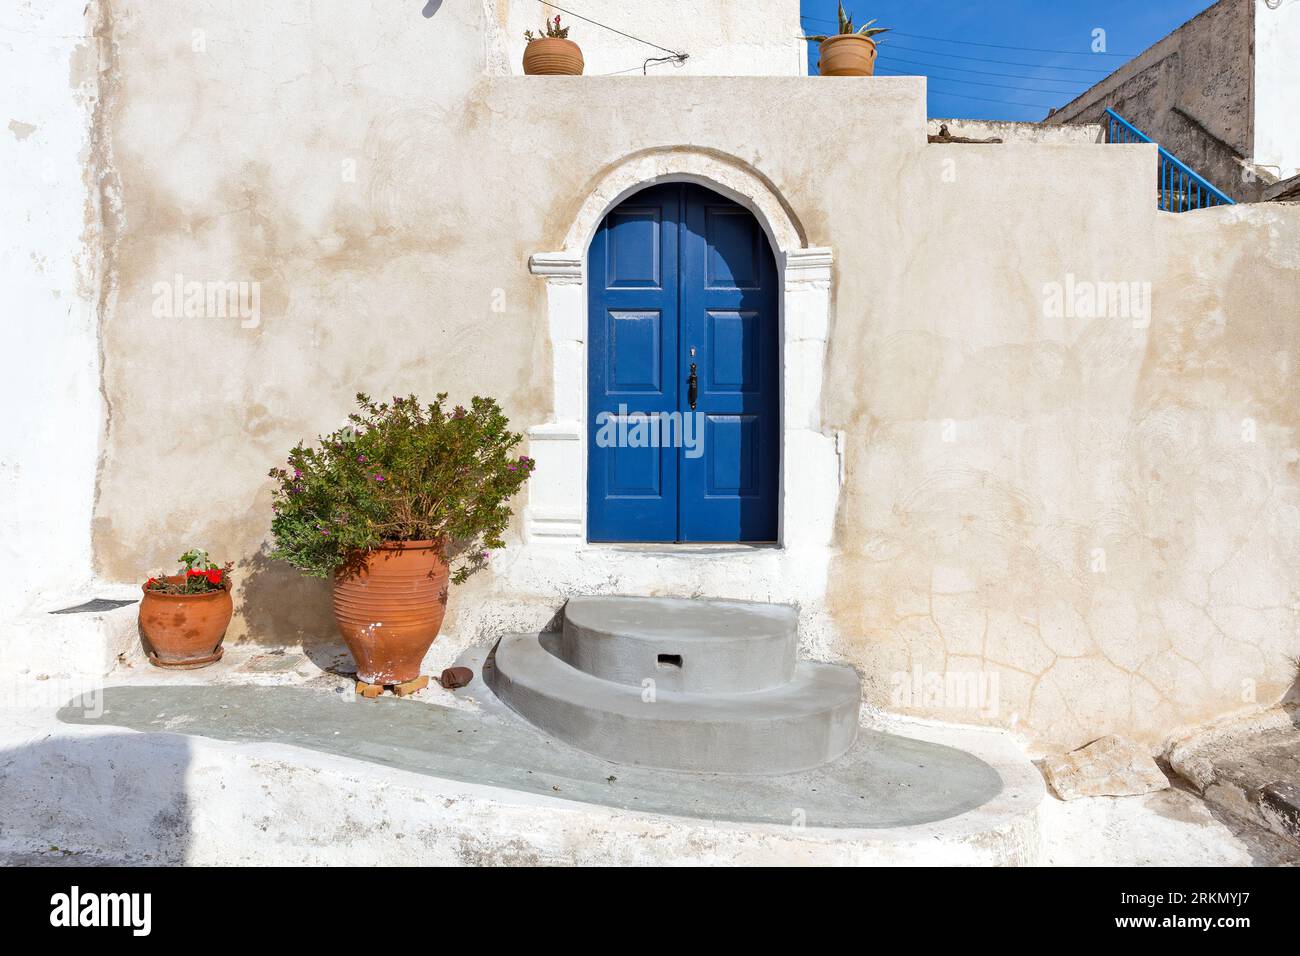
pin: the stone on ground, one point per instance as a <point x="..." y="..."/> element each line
<point x="1249" y="767"/>
<point x="1108" y="767"/>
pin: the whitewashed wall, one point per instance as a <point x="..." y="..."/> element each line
<point x="1277" y="86"/>
<point x="50" y="387"/>
<point x="723" y="37"/>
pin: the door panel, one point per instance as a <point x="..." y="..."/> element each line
<point x="732" y="450"/>
<point x="729" y="316"/>
<point x="732" y="367"/>
<point x="633" y="260"/>
<point x="634" y="360"/>
<point x="632" y="367"/>
<point x="734" y="250"/>
<point x="682" y="276"/>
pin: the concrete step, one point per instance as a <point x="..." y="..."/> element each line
<point x="687" y="646"/>
<point x="804" y="723"/>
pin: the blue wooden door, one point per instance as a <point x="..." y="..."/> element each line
<point x="684" y="422"/>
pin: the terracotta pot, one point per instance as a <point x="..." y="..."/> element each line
<point x="552" y="57"/>
<point x="847" y="55"/>
<point x="390" y="607"/>
<point x="184" y="630"/>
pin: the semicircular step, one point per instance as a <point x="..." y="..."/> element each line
<point x="803" y="723"/>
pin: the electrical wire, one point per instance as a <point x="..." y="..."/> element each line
<point x="1004" y="86"/>
<point x="1023" y="49"/>
<point x="995" y="46"/>
<point x="981" y="59"/>
<point x="989" y="99"/>
<point x="606" y="26"/>
<point x="958" y="69"/>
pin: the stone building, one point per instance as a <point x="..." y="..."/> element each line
<point x="1220" y="92"/>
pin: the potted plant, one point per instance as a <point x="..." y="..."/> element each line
<point x="389" y="509"/>
<point x="850" y="52"/>
<point x="184" y="616"/>
<point x="551" y="52"/>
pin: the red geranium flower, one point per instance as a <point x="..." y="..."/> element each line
<point x="214" y="576"/>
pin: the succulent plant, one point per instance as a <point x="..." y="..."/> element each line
<point x="846" y="27"/>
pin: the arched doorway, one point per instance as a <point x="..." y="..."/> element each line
<point x="683" y="371"/>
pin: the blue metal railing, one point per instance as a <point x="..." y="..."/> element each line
<point x="1178" y="188"/>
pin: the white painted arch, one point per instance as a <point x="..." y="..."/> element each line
<point x="556" y="514"/>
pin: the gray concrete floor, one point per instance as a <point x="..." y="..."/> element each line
<point x="883" y="781"/>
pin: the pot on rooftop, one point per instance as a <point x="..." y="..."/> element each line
<point x="849" y="51"/>
<point x="551" y="53"/>
<point x="847" y="55"/>
<point x="552" y="56"/>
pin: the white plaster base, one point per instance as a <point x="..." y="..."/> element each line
<point x="38" y="646"/>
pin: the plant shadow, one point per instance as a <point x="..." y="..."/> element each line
<point x="281" y="607"/>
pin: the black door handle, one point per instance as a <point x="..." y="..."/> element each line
<point x="692" y="387"/>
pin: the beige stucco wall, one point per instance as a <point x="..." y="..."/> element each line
<point x="386" y="195"/>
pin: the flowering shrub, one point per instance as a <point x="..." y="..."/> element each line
<point x="400" y="472"/>
<point x="201" y="576"/>
<point x="551" y="29"/>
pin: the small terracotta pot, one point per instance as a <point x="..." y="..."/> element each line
<point x="184" y="630"/>
<point x="551" y="56"/>
<point x="389" y="608"/>
<point x="847" y="55"/>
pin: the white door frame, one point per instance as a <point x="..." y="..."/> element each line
<point x="556" y="514"/>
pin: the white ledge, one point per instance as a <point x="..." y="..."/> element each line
<point x="555" y="264"/>
<point x="814" y="257"/>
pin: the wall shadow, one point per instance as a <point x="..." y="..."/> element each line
<point x="279" y="606"/>
<point x="109" y="799"/>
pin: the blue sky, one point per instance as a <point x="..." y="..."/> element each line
<point x="1001" y="68"/>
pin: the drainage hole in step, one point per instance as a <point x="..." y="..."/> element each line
<point x="670" y="660"/>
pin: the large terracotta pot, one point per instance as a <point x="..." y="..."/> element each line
<point x="551" y="56"/>
<point x="847" y="55"/>
<point x="184" y="630"/>
<point x="389" y="607"/>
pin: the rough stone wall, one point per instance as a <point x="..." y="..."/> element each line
<point x="1059" y="504"/>
<point x="1012" y="132"/>
<point x="1191" y="92"/>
